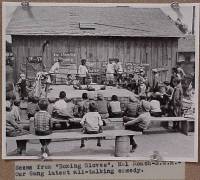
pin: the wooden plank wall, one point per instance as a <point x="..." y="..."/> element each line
<point x="157" y="52"/>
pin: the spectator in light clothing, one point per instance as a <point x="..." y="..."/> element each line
<point x="155" y="107"/>
<point x="114" y="107"/>
<point x="43" y="125"/>
<point x="92" y="123"/>
<point x="83" y="71"/>
<point x="54" y="69"/>
<point x="60" y="104"/>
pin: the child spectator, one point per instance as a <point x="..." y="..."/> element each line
<point x="60" y="104"/>
<point x="16" y="110"/>
<point x="102" y="106"/>
<point x="167" y="97"/>
<point x="132" y="108"/>
<point x="51" y="105"/>
<point x="22" y="86"/>
<point x="32" y="106"/>
<point x="14" y="129"/>
<point x="140" y="123"/>
<point x="155" y="106"/>
<point x="83" y="71"/>
<point x="43" y="125"/>
<point x="92" y="123"/>
<point x="68" y="111"/>
<point x="114" y="107"/>
<point x="83" y="106"/>
<point x="69" y="79"/>
<point x="76" y="83"/>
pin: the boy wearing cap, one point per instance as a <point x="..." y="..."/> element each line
<point x="140" y="123"/>
<point x="92" y="123"/>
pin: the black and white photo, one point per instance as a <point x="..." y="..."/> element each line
<point x="100" y="81"/>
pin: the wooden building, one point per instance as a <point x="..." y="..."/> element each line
<point x="186" y="53"/>
<point x="133" y="35"/>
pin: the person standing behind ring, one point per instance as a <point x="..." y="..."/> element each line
<point x="54" y="70"/>
<point x="83" y="71"/>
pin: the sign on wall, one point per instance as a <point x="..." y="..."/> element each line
<point x="133" y="68"/>
<point x="34" y="59"/>
<point x="67" y="57"/>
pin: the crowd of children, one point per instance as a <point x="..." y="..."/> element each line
<point x="156" y="100"/>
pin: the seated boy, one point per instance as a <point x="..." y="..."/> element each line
<point x="140" y="123"/>
<point x="91" y="123"/>
<point x="32" y="106"/>
<point x="43" y="125"/>
<point x="15" y="129"/>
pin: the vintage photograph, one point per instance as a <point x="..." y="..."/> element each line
<point x="100" y="81"/>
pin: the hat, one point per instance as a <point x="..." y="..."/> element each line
<point x="146" y="105"/>
<point x="100" y="96"/>
<point x="133" y="99"/>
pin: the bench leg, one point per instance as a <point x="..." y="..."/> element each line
<point x="122" y="146"/>
<point x="184" y="127"/>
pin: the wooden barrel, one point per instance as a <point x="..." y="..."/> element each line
<point x="122" y="146"/>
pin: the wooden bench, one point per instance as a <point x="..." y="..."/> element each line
<point x="185" y="122"/>
<point x="121" y="138"/>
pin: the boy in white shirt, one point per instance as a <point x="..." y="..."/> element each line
<point x="83" y="71"/>
<point x="54" y="70"/>
<point x="92" y="123"/>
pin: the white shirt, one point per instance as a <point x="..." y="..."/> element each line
<point x="60" y="104"/>
<point x="55" y="68"/>
<point x="82" y="71"/>
<point x="92" y="121"/>
<point x="155" y="106"/>
<point x="115" y="106"/>
<point x="110" y="68"/>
